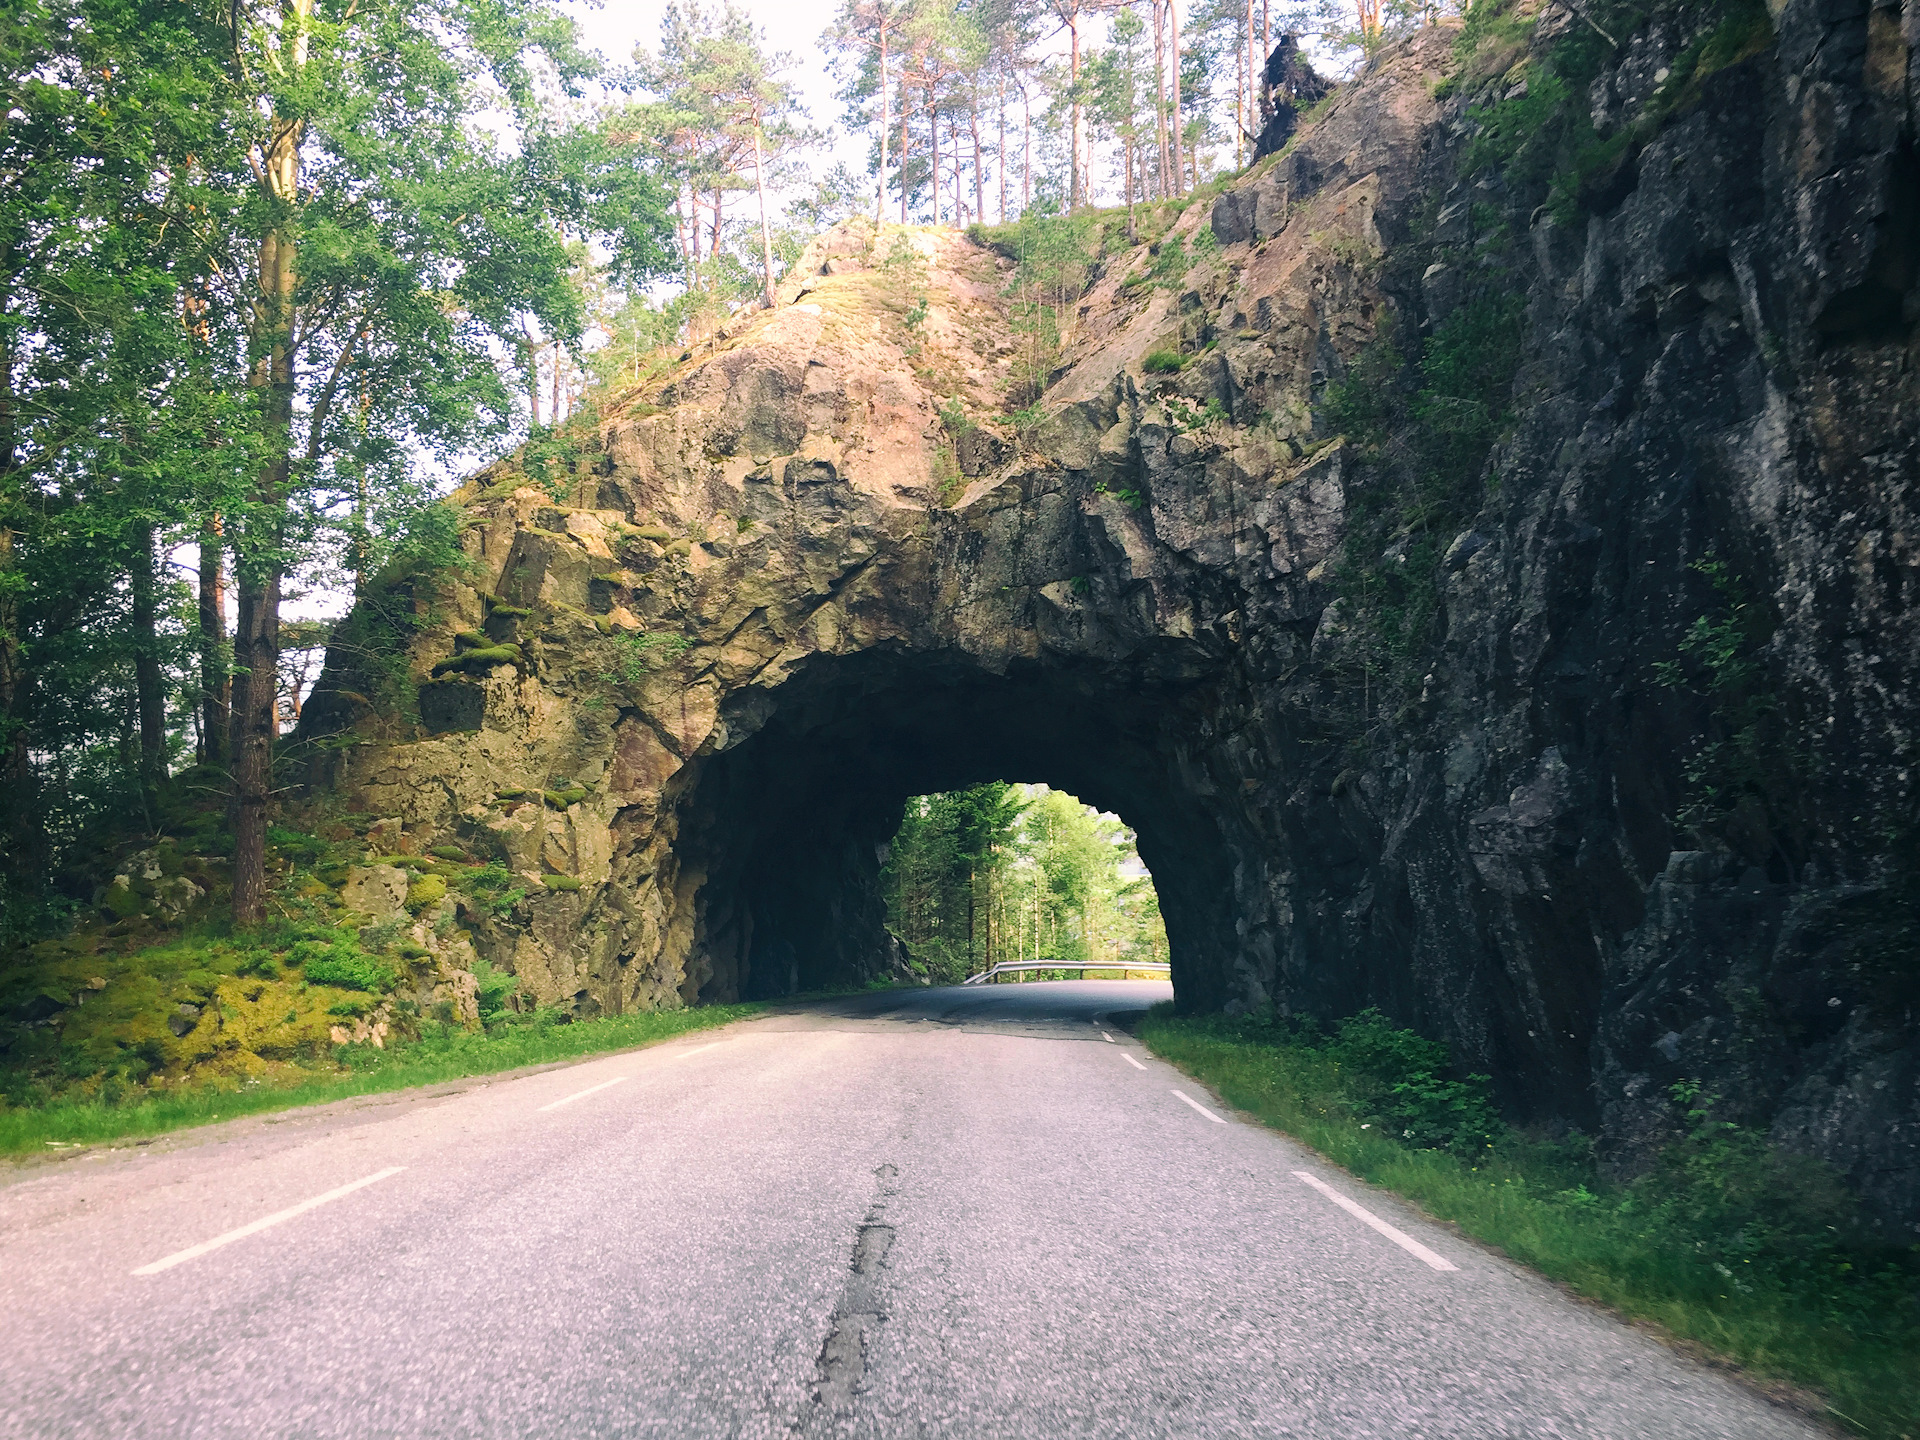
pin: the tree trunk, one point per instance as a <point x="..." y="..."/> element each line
<point x="689" y="245"/>
<point x="1240" y="114"/>
<point x="13" y="730"/>
<point x="1026" y="151"/>
<point x="906" y="134"/>
<point x="880" y="200"/>
<point x="216" y="687"/>
<point x="1179" y="168"/>
<point x="1160" y="92"/>
<point x="1002" y="166"/>
<point x="259" y="561"/>
<point x="933" y="140"/>
<point x="979" y="165"/>
<point x="1253" y="123"/>
<point x="149" y="690"/>
<point x="766" y="234"/>
<point x="1074" y="197"/>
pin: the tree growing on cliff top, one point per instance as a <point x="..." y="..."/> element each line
<point x="272" y="244"/>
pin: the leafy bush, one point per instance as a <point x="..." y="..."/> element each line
<point x="340" y="964"/>
<point x="639" y="655"/>
<point x="295" y="845"/>
<point x="493" y="886"/>
<point x="492" y="989"/>
<point x="1164" y="362"/>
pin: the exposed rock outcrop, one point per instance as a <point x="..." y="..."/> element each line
<point x="685" y="685"/>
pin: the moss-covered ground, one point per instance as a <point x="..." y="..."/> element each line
<point x="1754" y="1256"/>
<point x="444" y="1052"/>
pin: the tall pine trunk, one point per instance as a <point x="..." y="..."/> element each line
<point x="933" y="139"/>
<point x="259" y="562"/>
<point x="1002" y="157"/>
<point x="979" y="164"/>
<point x="880" y="200"/>
<point x="766" y="234"/>
<point x="1075" y="199"/>
<point x="1179" y="168"/>
<point x="906" y="106"/>
<point x="1026" y="150"/>
<point x="149" y="689"/>
<point x="1160" y="92"/>
<point x="216" y="688"/>
<point x="13" y="730"/>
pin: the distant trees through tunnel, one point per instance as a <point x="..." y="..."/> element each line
<point x="1005" y="871"/>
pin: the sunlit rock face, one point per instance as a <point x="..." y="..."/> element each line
<point x="822" y="566"/>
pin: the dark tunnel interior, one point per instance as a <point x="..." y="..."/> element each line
<point x="790" y="825"/>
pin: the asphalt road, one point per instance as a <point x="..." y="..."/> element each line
<point x="943" y="1213"/>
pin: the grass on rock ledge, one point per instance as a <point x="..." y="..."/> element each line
<point x="444" y="1052"/>
<point x="1750" y="1253"/>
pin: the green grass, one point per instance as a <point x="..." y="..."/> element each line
<point x="1725" y="1243"/>
<point x="450" y="1054"/>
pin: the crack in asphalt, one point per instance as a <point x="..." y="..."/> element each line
<point x="842" y="1364"/>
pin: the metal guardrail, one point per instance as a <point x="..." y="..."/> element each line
<point x="1008" y="967"/>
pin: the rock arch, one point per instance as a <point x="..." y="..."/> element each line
<point x="704" y="644"/>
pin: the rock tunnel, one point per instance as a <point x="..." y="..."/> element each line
<point x="862" y="545"/>
<point x="789" y="828"/>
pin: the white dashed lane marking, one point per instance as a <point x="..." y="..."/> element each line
<point x="582" y="1094"/>
<point x="1198" y="1106"/>
<point x="1399" y="1237"/>
<point x="194" y="1252"/>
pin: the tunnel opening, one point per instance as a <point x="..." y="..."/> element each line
<point x="785" y="835"/>
<point x="1007" y="873"/>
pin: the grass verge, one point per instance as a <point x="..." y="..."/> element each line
<point x="1725" y="1243"/>
<point x="450" y="1053"/>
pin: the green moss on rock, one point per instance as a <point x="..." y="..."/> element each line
<point x="426" y="892"/>
<point x="482" y="659"/>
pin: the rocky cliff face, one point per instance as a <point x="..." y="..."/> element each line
<point x="1505" y="615"/>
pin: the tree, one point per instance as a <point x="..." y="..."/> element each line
<point x="1118" y="79"/>
<point x="258" y="257"/>
<point x="722" y="106"/>
<point x="865" y="29"/>
<point x="112" y="404"/>
<point x="1001" y="872"/>
<point x="391" y="241"/>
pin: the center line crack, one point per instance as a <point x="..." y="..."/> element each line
<point x="842" y="1365"/>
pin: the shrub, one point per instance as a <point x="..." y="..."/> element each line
<point x="295" y="845"/>
<point x="563" y="883"/>
<point x="492" y="989"/>
<point x="1164" y="362"/>
<point x="341" y="965"/>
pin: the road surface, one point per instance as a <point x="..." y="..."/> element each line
<point x="975" y="1212"/>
